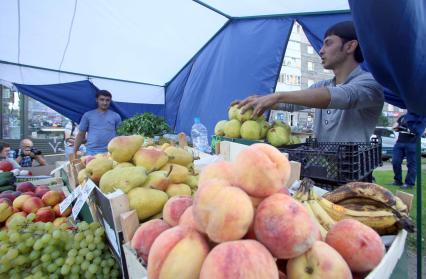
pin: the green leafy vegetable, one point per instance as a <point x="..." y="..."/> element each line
<point x="146" y="124"/>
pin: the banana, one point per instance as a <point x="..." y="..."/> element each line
<point x="323" y="231"/>
<point x="362" y="190"/>
<point x="375" y="219"/>
<point x="321" y="215"/>
<point x="364" y="207"/>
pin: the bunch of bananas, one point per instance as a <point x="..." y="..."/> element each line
<point x="368" y="203"/>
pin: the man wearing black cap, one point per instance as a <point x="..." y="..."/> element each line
<point x="348" y="106"/>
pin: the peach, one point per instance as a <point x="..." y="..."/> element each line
<point x="6" y="200"/>
<point x="32" y="204"/>
<point x="45" y="214"/>
<point x="52" y="198"/>
<point x="218" y="170"/>
<point x="145" y="236"/>
<point x="240" y="259"/>
<point x="284" y="226"/>
<point x="321" y="261"/>
<point x="57" y="210"/>
<point x="255" y="201"/>
<point x="187" y="219"/>
<point x="261" y="170"/>
<point x="19" y="201"/>
<point x="15" y="215"/>
<point x="284" y="190"/>
<point x="281" y="275"/>
<point x="223" y="212"/>
<point x="174" y="208"/>
<point x="179" y="251"/>
<point x="360" y="246"/>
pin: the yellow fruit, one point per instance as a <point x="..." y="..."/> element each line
<point x="179" y="189"/>
<point x="147" y="202"/>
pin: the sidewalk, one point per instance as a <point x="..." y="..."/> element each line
<point x="388" y="166"/>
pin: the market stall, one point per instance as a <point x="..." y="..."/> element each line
<point x="199" y="79"/>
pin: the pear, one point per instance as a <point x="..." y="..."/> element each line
<point x="192" y="181"/>
<point x="232" y="112"/>
<point x="264" y="127"/>
<point x="247" y="115"/>
<point x="219" y="128"/>
<point x="179" y="156"/>
<point x="178" y="173"/>
<point x="82" y="176"/>
<point x="295" y="139"/>
<point x="282" y="124"/>
<point x="147" y="202"/>
<point x="179" y="189"/>
<point x="97" y="167"/>
<point x="123" y="165"/>
<point x="232" y="128"/>
<point x="122" y="148"/>
<point x="157" y="180"/>
<point x="278" y="136"/>
<point x="150" y="158"/>
<point x="125" y="178"/>
<point x="250" y="130"/>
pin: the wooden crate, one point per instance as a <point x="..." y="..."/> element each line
<point x="106" y="210"/>
<point x="134" y="267"/>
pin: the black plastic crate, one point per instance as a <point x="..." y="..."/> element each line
<point x="336" y="163"/>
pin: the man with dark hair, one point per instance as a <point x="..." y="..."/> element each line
<point x="347" y="106"/>
<point x="7" y="155"/>
<point x="405" y="147"/>
<point x="100" y="125"/>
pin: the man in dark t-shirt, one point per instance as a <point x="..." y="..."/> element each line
<point x="405" y="146"/>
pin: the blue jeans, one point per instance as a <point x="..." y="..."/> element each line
<point x="401" y="151"/>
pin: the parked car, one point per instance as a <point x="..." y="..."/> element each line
<point x="389" y="137"/>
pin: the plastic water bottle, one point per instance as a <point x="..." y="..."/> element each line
<point x="199" y="136"/>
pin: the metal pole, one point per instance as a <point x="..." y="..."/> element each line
<point x="419" y="209"/>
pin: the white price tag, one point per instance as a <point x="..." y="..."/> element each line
<point x="81" y="199"/>
<point x="69" y="199"/>
<point x="111" y="236"/>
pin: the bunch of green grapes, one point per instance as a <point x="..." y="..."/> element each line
<point x="41" y="250"/>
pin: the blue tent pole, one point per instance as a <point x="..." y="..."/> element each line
<point x="419" y="209"/>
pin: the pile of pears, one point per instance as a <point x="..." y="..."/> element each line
<point x="149" y="175"/>
<point x="246" y="126"/>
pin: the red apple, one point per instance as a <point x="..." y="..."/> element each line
<point x="32" y="205"/>
<point x="45" y="214"/>
<point x="6" y="166"/>
<point x="59" y="221"/>
<point x="25" y="187"/>
<point x="14" y="215"/>
<point x="8" y="195"/>
<point x="66" y="213"/>
<point x="52" y="198"/>
<point x="6" y="200"/>
<point x="19" y="201"/>
<point x="41" y="190"/>
<point x="5" y="211"/>
<point x="32" y="194"/>
<point x="62" y="195"/>
<point x="16" y="193"/>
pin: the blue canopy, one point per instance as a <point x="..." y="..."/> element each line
<point x="243" y="57"/>
<point x="72" y="99"/>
